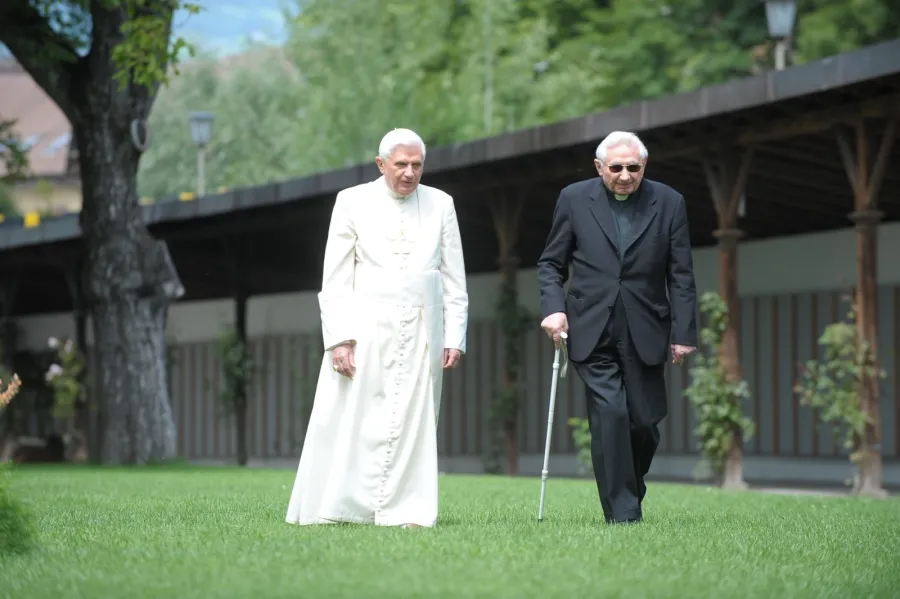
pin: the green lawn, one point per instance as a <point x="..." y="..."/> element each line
<point x="207" y="533"/>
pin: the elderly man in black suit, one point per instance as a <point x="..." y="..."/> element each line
<point x="631" y="301"/>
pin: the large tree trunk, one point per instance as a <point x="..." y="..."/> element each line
<point x="129" y="278"/>
<point x="130" y="281"/>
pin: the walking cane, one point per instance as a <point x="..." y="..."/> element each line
<point x="556" y="376"/>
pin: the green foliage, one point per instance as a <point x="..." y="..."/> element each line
<point x="64" y="378"/>
<point x="467" y="70"/>
<point x="13" y="157"/>
<point x="17" y="524"/>
<point x="513" y="320"/>
<point x="829" y="27"/>
<point x="17" y="529"/>
<point x="832" y="386"/>
<point x="238" y="370"/>
<point x="581" y="434"/>
<point x="717" y="399"/>
<point x="145" y="53"/>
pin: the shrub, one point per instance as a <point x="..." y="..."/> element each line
<point x="717" y="398"/>
<point x="17" y="529"/>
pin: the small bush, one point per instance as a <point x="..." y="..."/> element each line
<point x="17" y="529"/>
<point x="17" y="526"/>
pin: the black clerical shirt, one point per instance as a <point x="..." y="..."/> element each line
<point x="623" y="211"/>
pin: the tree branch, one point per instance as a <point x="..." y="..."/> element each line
<point x="49" y="57"/>
<point x="129" y="50"/>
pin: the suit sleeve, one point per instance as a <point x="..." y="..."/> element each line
<point x="453" y="279"/>
<point x="553" y="265"/>
<point x="336" y="297"/>
<point x="682" y="289"/>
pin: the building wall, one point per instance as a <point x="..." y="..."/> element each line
<point x="790" y="289"/>
<point x="47" y="198"/>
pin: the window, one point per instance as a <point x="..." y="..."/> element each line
<point x="57" y="144"/>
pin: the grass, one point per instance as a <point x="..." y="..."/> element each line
<point x="213" y="533"/>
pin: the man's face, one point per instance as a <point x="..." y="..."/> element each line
<point x="622" y="170"/>
<point x="403" y="169"/>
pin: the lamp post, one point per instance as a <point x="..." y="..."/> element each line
<point x="201" y="132"/>
<point x="780" y="15"/>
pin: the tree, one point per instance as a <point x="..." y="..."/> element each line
<point x="258" y="137"/>
<point x="719" y="400"/>
<point x="14" y="164"/>
<point x="102" y="62"/>
<point x="833" y="384"/>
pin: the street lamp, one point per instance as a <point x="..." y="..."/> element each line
<point x="201" y="132"/>
<point x="780" y="15"/>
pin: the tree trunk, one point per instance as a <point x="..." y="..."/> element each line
<point x="129" y="281"/>
<point x="128" y="277"/>
<point x="240" y="420"/>
<point x="508" y="276"/>
<point x="733" y="475"/>
<point x="240" y="403"/>
<point x="511" y="441"/>
<point x="870" y="479"/>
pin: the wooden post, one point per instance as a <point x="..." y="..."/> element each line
<point x="507" y="214"/>
<point x="866" y="178"/>
<point x="727" y="181"/>
<point x="236" y="253"/>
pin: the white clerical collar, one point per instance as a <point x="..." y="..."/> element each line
<point x="393" y="193"/>
<point x="621" y="197"/>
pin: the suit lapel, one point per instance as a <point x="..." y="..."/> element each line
<point x="602" y="213"/>
<point x="645" y="212"/>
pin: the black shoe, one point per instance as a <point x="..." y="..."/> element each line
<point x="631" y="520"/>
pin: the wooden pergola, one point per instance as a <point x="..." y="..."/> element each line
<point x="784" y="153"/>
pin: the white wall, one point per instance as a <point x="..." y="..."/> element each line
<point x="818" y="262"/>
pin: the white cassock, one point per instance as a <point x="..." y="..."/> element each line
<point x="394" y="283"/>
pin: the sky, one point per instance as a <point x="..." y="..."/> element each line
<point x="225" y="26"/>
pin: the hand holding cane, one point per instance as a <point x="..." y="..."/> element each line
<point x="553" y="383"/>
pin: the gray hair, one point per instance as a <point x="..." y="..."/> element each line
<point x="620" y="138"/>
<point x="399" y="137"/>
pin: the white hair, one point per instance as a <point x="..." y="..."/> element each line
<point x="620" y="138"/>
<point x="399" y="137"/>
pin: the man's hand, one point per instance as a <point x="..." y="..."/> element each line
<point x="555" y="324"/>
<point x="452" y="358"/>
<point x="680" y="352"/>
<point x="343" y="360"/>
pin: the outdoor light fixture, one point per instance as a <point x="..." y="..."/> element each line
<point x="201" y="127"/>
<point x="781" y="15"/>
<point x="201" y="132"/>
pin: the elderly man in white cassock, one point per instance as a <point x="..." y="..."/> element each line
<point x="394" y="312"/>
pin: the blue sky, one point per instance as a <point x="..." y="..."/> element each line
<point x="225" y="26"/>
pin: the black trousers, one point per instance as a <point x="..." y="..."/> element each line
<point x="626" y="401"/>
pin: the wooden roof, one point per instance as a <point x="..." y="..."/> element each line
<point x="797" y="182"/>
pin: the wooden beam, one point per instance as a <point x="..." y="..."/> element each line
<point x="788" y="127"/>
<point x="726" y="176"/>
<point x="866" y="177"/>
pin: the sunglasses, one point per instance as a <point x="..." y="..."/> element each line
<point x="632" y="168"/>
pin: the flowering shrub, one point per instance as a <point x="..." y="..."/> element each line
<point x="16" y="524"/>
<point x="64" y="378"/>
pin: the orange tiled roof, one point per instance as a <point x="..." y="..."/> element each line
<point x="41" y="125"/>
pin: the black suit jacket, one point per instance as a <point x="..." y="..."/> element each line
<point x="653" y="271"/>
